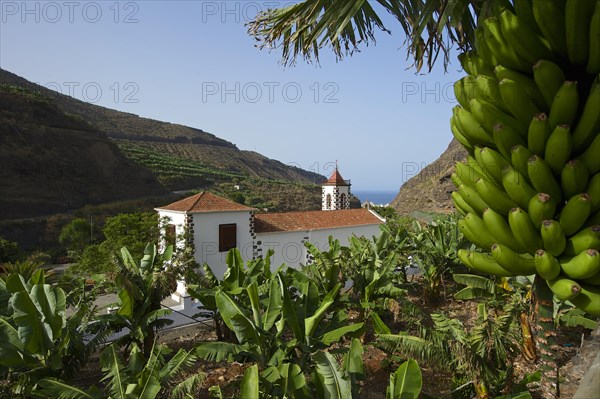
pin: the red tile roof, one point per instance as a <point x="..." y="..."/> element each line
<point x="337" y="179"/>
<point x="313" y="220"/>
<point x="205" y="202"/>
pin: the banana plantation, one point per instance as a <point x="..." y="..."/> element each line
<point x="503" y="285"/>
<point x="355" y="323"/>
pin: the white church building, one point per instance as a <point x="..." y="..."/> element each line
<point x="214" y="225"/>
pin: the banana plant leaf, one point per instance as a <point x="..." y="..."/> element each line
<point x="406" y="382"/>
<point x="328" y="379"/>
<point x="311" y="323"/>
<point x="219" y="351"/>
<point x="53" y="388"/>
<point x="273" y="311"/>
<point x="335" y="335"/>
<point x="236" y="320"/>
<point x="250" y="383"/>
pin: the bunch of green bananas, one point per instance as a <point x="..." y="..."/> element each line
<point x="529" y="117"/>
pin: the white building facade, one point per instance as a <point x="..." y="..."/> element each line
<point x="213" y="225"/>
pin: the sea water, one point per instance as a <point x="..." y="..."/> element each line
<point x="376" y="197"/>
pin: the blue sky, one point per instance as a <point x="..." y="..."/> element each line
<point x="192" y="63"/>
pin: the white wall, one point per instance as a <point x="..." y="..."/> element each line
<point x="176" y="218"/>
<point x="206" y="238"/>
<point x="289" y="247"/>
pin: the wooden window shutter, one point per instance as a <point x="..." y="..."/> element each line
<point x="227" y="237"/>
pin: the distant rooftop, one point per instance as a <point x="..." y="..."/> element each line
<point x="313" y="220"/>
<point x="205" y="202"/>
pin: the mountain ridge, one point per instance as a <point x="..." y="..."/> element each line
<point x="170" y="137"/>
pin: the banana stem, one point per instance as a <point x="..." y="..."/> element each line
<point x="546" y="338"/>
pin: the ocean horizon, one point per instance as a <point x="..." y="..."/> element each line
<point x="378" y="197"/>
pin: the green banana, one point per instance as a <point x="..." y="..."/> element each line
<point x="550" y="18"/>
<point x="489" y="116"/>
<point x="575" y="213"/>
<point x="460" y="93"/>
<point x="593" y="65"/>
<point x="459" y="203"/>
<point x="483" y="50"/>
<point x="574" y="178"/>
<point x="564" y="106"/>
<point x="593" y="190"/>
<point x="473" y="228"/>
<point x="549" y="78"/>
<point x="564" y="288"/>
<point x="473" y="64"/>
<point x="593" y="220"/>
<point x="527" y="83"/>
<point x="460" y="137"/>
<point x="541" y="207"/>
<point x="470" y="127"/>
<point x="506" y="138"/>
<point x="500" y="230"/>
<point x="498" y="7"/>
<point x="578" y="16"/>
<point x="472" y="198"/>
<point x="583" y="265"/>
<point x="524" y="10"/>
<point x="494" y="197"/>
<point x="590" y="156"/>
<point x="492" y="163"/>
<point x="512" y="261"/>
<point x="553" y="237"/>
<point x="455" y="179"/>
<point x="524" y="39"/>
<point x="519" y="157"/>
<point x="517" y="101"/>
<point x="538" y="133"/>
<point x="474" y="163"/>
<point x="542" y="179"/>
<point x="588" y="300"/>
<point x="594" y="280"/>
<point x="482" y="263"/>
<point x="588" y="238"/>
<point x="517" y="187"/>
<point x="558" y="148"/>
<point x="588" y="125"/>
<point x="467" y="174"/>
<point x="488" y="90"/>
<point x="546" y="265"/>
<point x="498" y="45"/>
<point x="524" y="231"/>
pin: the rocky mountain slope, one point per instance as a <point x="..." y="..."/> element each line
<point x="429" y="191"/>
<point x="53" y="162"/>
<point x="177" y="140"/>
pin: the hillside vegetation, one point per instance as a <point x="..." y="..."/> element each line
<point x="169" y="138"/>
<point x="55" y="162"/>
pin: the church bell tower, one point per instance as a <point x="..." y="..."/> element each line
<point x="336" y="192"/>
